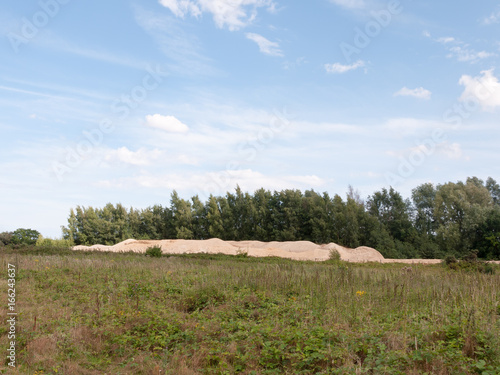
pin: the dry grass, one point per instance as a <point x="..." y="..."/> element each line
<point x="128" y="314"/>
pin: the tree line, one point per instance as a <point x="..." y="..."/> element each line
<point x="451" y="219"/>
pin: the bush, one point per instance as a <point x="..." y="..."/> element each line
<point x="23" y="236"/>
<point x="5" y="238"/>
<point x="334" y="255"/>
<point x="49" y="242"/>
<point x="469" y="262"/>
<point x="154" y="252"/>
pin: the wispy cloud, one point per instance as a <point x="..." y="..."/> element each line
<point x="140" y="157"/>
<point x="339" y="68"/>
<point x="247" y="179"/>
<point x="265" y="46"/>
<point x="462" y="51"/>
<point x="419" y="93"/>
<point x="492" y="18"/>
<point x="59" y="44"/>
<point x="182" y="7"/>
<point x="350" y="4"/>
<point x="445" y="39"/>
<point x="234" y="14"/>
<point x="183" y="49"/>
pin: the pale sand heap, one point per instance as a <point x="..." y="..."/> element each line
<point x="299" y="250"/>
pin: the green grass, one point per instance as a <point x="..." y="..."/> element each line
<point x="106" y="313"/>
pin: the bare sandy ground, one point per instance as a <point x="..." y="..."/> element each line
<point x="299" y="250"/>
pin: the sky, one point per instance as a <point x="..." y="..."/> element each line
<point x="125" y="101"/>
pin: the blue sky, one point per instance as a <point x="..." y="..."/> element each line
<point x="125" y="101"/>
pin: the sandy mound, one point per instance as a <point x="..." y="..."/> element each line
<point x="299" y="250"/>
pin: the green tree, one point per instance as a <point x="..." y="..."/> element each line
<point x="25" y="236"/>
<point x="389" y="207"/>
<point x="182" y="217"/>
<point x="214" y="218"/>
<point x="5" y="238"/>
<point x="494" y="190"/>
<point x="423" y="198"/>
<point x="459" y="209"/>
<point x="199" y="219"/>
<point x="262" y="223"/>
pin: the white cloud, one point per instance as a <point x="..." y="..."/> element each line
<point x="419" y="93"/>
<point x="142" y="156"/>
<point x="407" y="126"/>
<point x="468" y="55"/>
<point x="350" y="4"/>
<point x="484" y="88"/>
<point x="217" y="182"/>
<point x="167" y="123"/>
<point x="233" y="14"/>
<point x="493" y="18"/>
<point x="446" y="39"/>
<point x="451" y="150"/>
<point x="462" y="51"/>
<point x="447" y="149"/>
<point x="339" y="68"/>
<point x="181" y="7"/>
<point x="265" y="46"/>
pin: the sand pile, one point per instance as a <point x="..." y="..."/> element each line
<point x="299" y="250"/>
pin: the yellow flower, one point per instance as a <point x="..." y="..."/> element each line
<point x="360" y="293"/>
<point x="36" y="260"/>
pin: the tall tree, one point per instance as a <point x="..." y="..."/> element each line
<point x="182" y="217"/>
<point x="494" y="190"/>
<point x="423" y="200"/>
<point x="215" y="224"/>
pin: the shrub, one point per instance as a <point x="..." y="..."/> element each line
<point x="154" y="252"/>
<point x="23" y="236"/>
<point x="49" y="242"/>
<point x="334" y="255"/>
<point x="469" y="262"/>
<point x="5" y="238"/>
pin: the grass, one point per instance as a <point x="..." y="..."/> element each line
<point x="107" y="313"/>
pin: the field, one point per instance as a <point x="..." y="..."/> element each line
<point x="112" y="313"/>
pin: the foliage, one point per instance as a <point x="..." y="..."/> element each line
<point x="334" y="255"/>
<point x="23" y="236"/>
<point x="5" y="238"/>
<point x="49" y="242"/>
<point x="93" y="313"/>
<point x="470" y="263"/>
<point x="449" y="219"/>
<point x="154" y="252"/>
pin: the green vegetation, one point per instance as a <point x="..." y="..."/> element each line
<point x="108" y="313"/>
<point x="452" y="219"/>
<point x="154" y="251"/>
<point x="20" y="236"/>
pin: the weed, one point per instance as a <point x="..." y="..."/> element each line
<point x="154" y="252"/>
